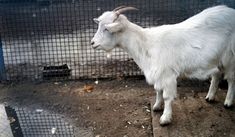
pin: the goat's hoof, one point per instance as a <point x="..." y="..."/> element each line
<point x="209" y="100"/>
<point x="228" y="106"/>
<point x="164" y="121"/>
<point x="157" y="109"/>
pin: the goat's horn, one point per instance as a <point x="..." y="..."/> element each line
<point x="119" y="11"/>
<point x="120" y="7"/>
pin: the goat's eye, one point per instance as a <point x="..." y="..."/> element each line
<point x="105" y="29"/>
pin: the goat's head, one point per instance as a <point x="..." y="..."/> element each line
<point x="110" y="25"/>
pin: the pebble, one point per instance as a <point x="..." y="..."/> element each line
<point x="135" y="122"/>
<point x="148" y="110"/>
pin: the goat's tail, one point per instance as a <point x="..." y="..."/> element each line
<point x="227" y="64"/>
<point x="228" y="56"/>
<point x="232" y="44"/>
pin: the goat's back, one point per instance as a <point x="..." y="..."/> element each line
<point x="213" y="30"/>
<point x="197" y="46"/>
<point x="215" y="17"/>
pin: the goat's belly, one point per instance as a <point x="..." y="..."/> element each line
<point x="200" y="73"/>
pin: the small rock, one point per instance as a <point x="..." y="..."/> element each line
<point x="98" y="108"/>
<point x="135" y="122"/>
<point x="200" y="108"/>
<point x="128" y="122"/>
<point x="212" y="125"/>
<point x="146" y="107"/>
<point x="148" y="110"/>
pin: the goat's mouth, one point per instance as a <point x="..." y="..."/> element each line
<point x="95" y="47"/>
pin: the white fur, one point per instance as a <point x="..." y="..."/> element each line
<point x="200" y="47"/>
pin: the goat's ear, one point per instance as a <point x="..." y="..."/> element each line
<point x="114" y="27"/>
<point x="96" y="20"/>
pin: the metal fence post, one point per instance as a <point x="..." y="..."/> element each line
<point x="2" y="64"/>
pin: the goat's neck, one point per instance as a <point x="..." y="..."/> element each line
<point x="133" y="41"/>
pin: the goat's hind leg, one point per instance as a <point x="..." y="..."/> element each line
<point x="230" y="94"/>
<point x="159" y="99"/>
<point x="213" y="87"/>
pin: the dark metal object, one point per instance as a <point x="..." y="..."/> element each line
<point x="56" y="71"/>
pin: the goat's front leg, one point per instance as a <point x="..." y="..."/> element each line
<point x="169" y="93"/>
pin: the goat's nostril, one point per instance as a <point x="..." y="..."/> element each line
<point x="92" y="43"/>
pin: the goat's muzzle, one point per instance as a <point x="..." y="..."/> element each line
<point x="94" y="46"/>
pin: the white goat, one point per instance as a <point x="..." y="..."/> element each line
<point x="200" y="47"/>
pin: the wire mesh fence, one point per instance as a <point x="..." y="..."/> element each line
<point x="19" y="122"/>
<point x="43" y="39"/>
<point x="36" y="124"/>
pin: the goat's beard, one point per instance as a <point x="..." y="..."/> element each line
<point x="108" y="54"/>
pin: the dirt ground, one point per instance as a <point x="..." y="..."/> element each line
<point x="112" y="109"/>
<point x="121" y="108"/>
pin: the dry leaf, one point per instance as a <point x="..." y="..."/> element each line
<point x="88" y="88"/>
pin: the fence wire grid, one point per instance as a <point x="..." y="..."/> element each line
<point x="43" y="39"/>
<point x="19" y="122"/>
